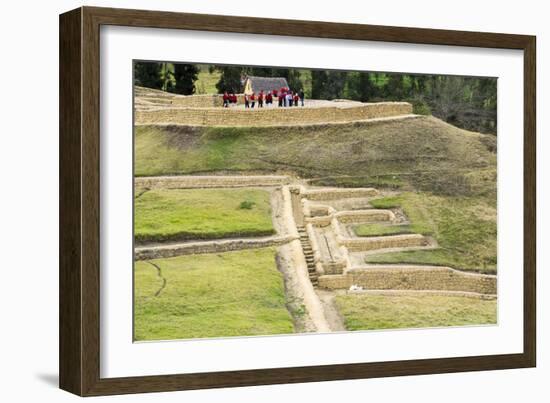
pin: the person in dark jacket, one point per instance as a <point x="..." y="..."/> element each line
<point x="261" y="99"/>
<point x="225" y="99"/>
<point x="302" y="96"/>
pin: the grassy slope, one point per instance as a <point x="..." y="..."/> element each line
<point x="201" y="213"/>
<point x="426" y="152"/>
<point x="365" y="312"/>
<point x="375" y="229"/>
<point x="206" y="82"/>
<point x="212" y="295"/>
<point x="465" y="228"/>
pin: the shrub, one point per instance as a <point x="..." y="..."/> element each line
<point x="247" y="205"/>
<point x="420" y="107"/>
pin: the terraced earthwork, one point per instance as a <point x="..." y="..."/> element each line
<point x="336" y="216"/>
<point x="319" y="256"/>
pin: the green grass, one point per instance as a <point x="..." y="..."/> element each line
<point x="377" y="181"/>
<point x="381" y="229"/>
<point x="369" y="312"/>
<point x="206" y="82"/>
<point x="464" y="227"/>
<point x="425" y="152"/>
<point x="212" y="295"/>
<point x="179" y="214"/>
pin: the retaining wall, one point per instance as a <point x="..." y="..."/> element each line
<point x="384" y="242"/>
<point x="203" y="101"/>
<point x="181" y="182"/>
<point x="150" y="98"/>
<point x="338" y="193"/>
<point x="188" y="248"/>
<point x="270" y="116"/>
<point x="360" y="216"/>
<point x="411" y="278"/>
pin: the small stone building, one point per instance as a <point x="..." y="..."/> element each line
<point x="265" y="84"/>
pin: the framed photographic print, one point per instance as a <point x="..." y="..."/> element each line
<point x="249" y="201"/>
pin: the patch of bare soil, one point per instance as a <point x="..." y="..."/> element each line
<point x="296" y="305"/>
<point x="332" y="315"/>
<point x="182" y="137"/>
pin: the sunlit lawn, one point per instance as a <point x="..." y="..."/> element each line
<point x="368" y="312"/>
<point x="237" y="293"/>
<point x="202" y="214"/>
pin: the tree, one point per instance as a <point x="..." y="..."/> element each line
<point x="327" y="84"/>
<point x="293" y="78"/>
<point x="148" y="74"/>
<point x="318" y="81"/>
<point x="365" y="87"/>
<point x="185" y="76"/>
<point x="167" y="76"/>
<point x="395" y="87"/>
<point x="230" y="79"/>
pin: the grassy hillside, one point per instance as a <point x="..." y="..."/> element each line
<point x="424" y="153"/>
<point x="211" y="295"/>
<point x="464" y="227"/>
<point x="180" y="214"/>
<point x="206" y="81"/>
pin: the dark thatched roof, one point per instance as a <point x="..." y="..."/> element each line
<point x="267" y="84"/>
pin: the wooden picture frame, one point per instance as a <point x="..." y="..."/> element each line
<point x="79" y="346"/>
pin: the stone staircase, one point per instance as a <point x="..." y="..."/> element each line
<point x="308" y="253"/>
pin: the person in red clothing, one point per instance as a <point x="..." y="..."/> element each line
<point x="296" y="99"/>
<point x="246" y="101"/>
<point x="275" y="93"/>
<point x="269" y="98"/>
<point x="225" y="99"/>
<point x="252" y="100"/>
<point x="261" y="99"/>
<point x="233" y="99"/>
<point x="282" y="97"/>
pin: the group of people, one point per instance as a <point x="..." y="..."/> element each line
<point x="285" y="97"/>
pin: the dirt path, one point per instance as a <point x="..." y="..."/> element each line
<point x="334" y="319"/>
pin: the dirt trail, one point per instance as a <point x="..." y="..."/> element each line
<point x="334" y="319"/>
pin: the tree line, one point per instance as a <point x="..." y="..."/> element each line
<point x="467" y="102"/>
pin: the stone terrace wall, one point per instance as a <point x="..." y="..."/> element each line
<point x="361" y="216"/>
<point x="151" y="96"/>
<point x="338" y="193"/>
<point x="203" y="101"/>
<point x="412" y="278"/>
<point x="383" y="242"/>
<point x="182" y="182"/>
<point x="271" y="116"/>
<point x="224" y="245"/>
